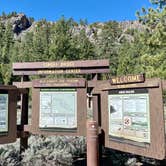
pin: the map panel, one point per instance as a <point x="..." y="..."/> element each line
<point x="58" y="108"/>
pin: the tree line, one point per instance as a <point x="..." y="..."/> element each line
<point x="131" y="51"/>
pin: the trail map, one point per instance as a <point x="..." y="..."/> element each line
<point x="58" y="108"/>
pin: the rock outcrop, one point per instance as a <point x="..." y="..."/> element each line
<point x="19" y="22"/>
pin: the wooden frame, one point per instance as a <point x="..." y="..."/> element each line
<point x="156" y="148"/>
<point x="11" y="134"/>
<point x="79" y="85"/>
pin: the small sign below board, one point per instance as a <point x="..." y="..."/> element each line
<point x="59" y="107"/>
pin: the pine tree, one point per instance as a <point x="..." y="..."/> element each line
<point x="60" y="47"/>
<point x="109" y="45"/>
<point x="84" y="48"/>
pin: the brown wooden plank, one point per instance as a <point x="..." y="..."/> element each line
<point x="61" y="64"/>
<point x="25" y="84"/>
<point x="94" y="83"/>
<point x="60" y="71"/>
<point x="23" y="91"/>
<point x="106" y="85"/>
<point x="77" y="82"/>
<point x="7" y="87"/>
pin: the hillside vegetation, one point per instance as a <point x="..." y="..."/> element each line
<point x="132" y="46"/>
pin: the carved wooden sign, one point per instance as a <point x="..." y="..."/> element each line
<point x="128" y="79"/>
<point x="61" y="67"/>
<point x="74" y="82"/>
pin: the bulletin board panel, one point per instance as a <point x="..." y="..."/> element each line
<point x="149" y="140"/>
<point x="8" y="102"/>
<point x="59" y="107"/>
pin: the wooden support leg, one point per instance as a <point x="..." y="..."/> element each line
<point x="24" y="121"/>
<point x="24" y="117"/>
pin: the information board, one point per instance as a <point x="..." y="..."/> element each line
<point x="3" y="113"/>
<point x="58" y="108"/>
<point x="129" y="115"/>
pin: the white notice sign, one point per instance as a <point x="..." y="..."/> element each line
<point x="3" y="113"/>
<point x="129" y="116"/>
<point x="58" y="108"/>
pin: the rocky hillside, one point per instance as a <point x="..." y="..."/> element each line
<point x="21" y="24"/>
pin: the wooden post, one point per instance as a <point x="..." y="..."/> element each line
<point x="24" y="117"/>
<point x="96" y="109"/>
<point x="92" y="144"/>
<point x="97" y="118"/>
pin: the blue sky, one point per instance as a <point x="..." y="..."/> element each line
<point x="92" y="10"/>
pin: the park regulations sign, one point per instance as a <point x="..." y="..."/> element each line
<point x="58" y="108"/>
<point x="132" y="116"/>
<point x="129" y="115"/>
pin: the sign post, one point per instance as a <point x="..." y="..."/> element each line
<point x="92" y="144"/>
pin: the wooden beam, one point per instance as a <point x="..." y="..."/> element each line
<point x="60" y="71"/>
<point x="61" y="64"/>
<point x="61" y="67"/>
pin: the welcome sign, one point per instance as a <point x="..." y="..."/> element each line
<point x="128" y="79"/>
